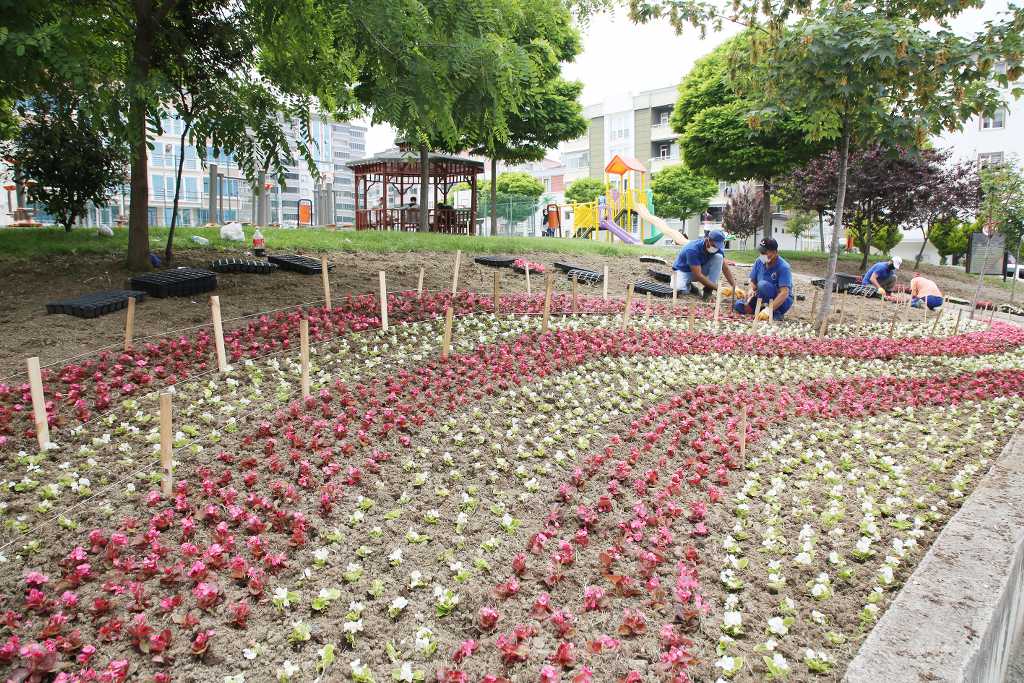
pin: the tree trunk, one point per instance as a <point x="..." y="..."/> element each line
<point x="766" y="207"/>
<point x="865" y="247"/>
<point x="494" y="197"/>
<point x="837" y="226"/>
<point x="138" y="212"/>
<point x="821" y="228"/>
<point x="920" y="252"/>
<point x="424" y="186"/>
<point x="169" y="250"/>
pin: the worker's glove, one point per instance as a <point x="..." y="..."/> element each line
<point x="726" y="290"/>
<point x="763" y="314"/>
<point x="882" y="293"/>
<point x="739" y="293"/>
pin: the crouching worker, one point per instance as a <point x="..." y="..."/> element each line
<point x="883" y="275"/>
<point x="771" y="281"/>
<point x="924" y="292"/>
<point x="702" y="261"/>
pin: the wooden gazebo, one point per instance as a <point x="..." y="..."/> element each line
<point x="400" y="171"/>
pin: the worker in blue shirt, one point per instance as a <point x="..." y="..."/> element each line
<point x="771" y="281"/>
<point x="702" y="261"/>
<point x="883" y="275"/>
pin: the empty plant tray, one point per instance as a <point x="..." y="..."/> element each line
<point x="96" y="304"/>
<point x="177" y="282"/>
<point x="240" y="265"/>
<point x="298" y="264"/>
<point x="654" y="288"/>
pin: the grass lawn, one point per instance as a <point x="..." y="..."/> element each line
<point x="23" y="243"/>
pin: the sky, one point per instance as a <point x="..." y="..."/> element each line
<point x="618" y="57"/>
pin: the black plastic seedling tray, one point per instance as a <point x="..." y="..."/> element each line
<point x="177" y="282"/>
<point x="96" y="304"/>
<point x="566" y="267"/>
<point x="584" y="276"/>
<point x="298" y="264"/>
<point x="656" y="289"/>
<point x="659" y="275"/>
<point x="238" y="265"/>
<point x="495" y="261"/>
<point x="653" y="259"/>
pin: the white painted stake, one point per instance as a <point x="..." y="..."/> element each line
<point x="383" y="301"/>
<point x="529" y="289"/>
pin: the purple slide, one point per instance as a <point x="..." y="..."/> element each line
<point x="610" y="226"/>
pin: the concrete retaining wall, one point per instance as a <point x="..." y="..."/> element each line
<point x="962" y="609"/>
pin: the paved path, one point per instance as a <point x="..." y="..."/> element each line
<point x="1015" y="674"/>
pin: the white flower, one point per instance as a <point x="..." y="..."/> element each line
<point x="885" y="575"/>
<point x="732" y="619"/>
<point x="817" y="617"/>
<point x="777" y="626"/>
<point x="819" y="590"/>
<point x="405" y="673"/>
<point x="780" y="661"/>
<point x="353" y="627"/>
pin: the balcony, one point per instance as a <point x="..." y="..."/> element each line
<point x="658" y="163"/>
<point x="662" y="131"/>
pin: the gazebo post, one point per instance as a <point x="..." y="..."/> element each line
<point x="472" y="204"/>
<point x="357" y="177"/>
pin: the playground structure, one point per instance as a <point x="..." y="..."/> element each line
<point x="627" y="200"/>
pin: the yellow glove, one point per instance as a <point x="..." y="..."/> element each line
<point x="739" y="293"/>
<point x="882" y="293"/>
<point x="726" y="290"/>
<point x="762" y="314"/>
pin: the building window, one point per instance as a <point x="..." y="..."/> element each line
<point x="990" y="158"/>
<point x="663" y="118"/>
<point x="995" y="122"/>
<point x="664" y="151"/>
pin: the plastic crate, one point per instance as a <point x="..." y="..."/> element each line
<point x="96" y="304"/>
<point x="177" y="282"/>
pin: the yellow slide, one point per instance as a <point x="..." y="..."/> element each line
<point x="674" y="235"/>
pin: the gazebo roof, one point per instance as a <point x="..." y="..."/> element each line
<point x="398" y="162"/>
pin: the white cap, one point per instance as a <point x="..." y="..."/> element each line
<point x="897" y="261"/>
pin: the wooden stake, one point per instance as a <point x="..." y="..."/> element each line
<point x="842" y="310"/>
<point x="718" y="305"/>
<point x="325" y="275"/>
<point x="218" y="333"/>
<point x="35" y="379"/>
<point x="548" y="285"/>
<point x="455" y="275"/>
<point x="956" y="328"/>
<point x="757" y="311"/>
<point x="743" y="434"/>
<point x="497" y="292"/>
<point x="446" y="339"/>
<point x="892" y="325"/>
<point x="605" y="293"/>
<point x="167" y="484"/>
<point x="691" y="314"/>
<point x="575" y="285"/>
<point x="629" y="304"/>
<point x="991" y="314"/>
<point x="129" y="324"/>
<point x="935" y="325"/>
<point x="529" y="289"/>
<point x="419" y="287"/>
<point x="304" y="354"/>
<point x="814" y="303"/>
<point x="649" y="307"/>
<point x="383" y="301"/>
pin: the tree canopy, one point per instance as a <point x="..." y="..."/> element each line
<point x="742" y="215"/>
<point x="584" y="190"/>
<point x="681" y="193"/>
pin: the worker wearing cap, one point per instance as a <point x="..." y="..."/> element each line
<point x="883" y="275"/>
<point x="924" y="292"/>
<point x="702" y="260"/>
<point x="771" y="281"/>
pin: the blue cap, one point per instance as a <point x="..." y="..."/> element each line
<point x="718" y="237"/>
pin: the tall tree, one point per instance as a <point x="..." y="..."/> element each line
<point x="716" y="136"/>
<point x="584" y="190"/>
<point x="742" y="215"/>
<point x="681" y="193"/>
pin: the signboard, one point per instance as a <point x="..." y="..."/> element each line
<point x="987" y="249"/>
<point x="305" y="212"/>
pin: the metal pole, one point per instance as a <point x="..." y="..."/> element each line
<point x="211" y="197"/>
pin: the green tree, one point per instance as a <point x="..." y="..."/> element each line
<point x="717" y="139"/>
<point x="949" y="236"/>
<point x="584" y="190"/>
<point x="71" y="157"/>
<point x="681" y="193"/>
<point x="800" y="223"/>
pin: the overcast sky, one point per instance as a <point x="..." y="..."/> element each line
<point x="618" y="57"/>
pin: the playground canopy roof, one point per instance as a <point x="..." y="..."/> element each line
<point x="620" y="165"/>
<point x="396" y="163"/>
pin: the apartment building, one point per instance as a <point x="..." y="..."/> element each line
<point x="334" y="145"/>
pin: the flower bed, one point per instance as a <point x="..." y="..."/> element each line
<point x="569" y="506"/>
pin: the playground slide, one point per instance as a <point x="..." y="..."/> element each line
<point x="660" y="223"/>
<point x="614" y="229"/>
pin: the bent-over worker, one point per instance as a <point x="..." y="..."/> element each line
<point x="924" y="292"/>
<point x="883" y="275"/>
<point x="702" y="261"/>
<point x="771" y="281"/>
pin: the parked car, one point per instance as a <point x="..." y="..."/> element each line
<point x="1014" y="269"/>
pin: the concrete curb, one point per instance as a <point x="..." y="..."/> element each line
<point x="960" y="613"/>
